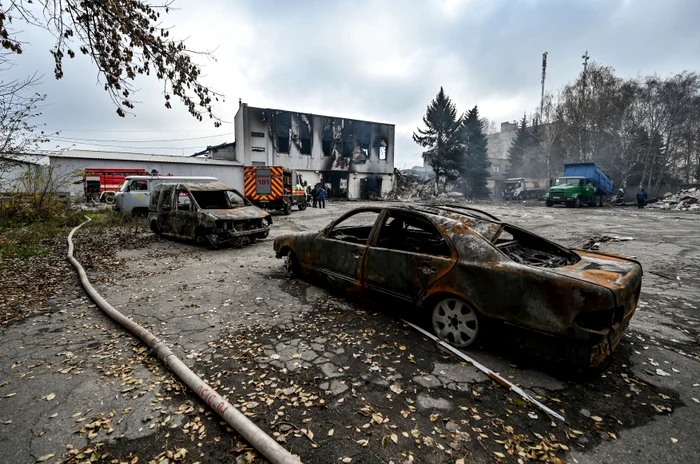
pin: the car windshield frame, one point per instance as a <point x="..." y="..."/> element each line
<point x="201" y="193"/>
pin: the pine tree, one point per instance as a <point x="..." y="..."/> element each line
<point x="441" y="137"/>
<point x="516" y="152"/>
<point x="477" y="162"/>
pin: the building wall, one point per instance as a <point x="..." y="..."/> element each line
<point x="260" y="127"/>
<point x="228" y="174"/>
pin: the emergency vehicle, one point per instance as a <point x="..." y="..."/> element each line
<point x="274" y="187"/>
<point x="100" y="184"/>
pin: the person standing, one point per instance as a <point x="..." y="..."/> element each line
<point x="321" y="197"/>
<point x="641" y="197"/>
<point x="314" y="195"/>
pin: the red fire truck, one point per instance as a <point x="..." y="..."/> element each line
<point x="100" y="184"/>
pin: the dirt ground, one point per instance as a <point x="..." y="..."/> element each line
<point x="335" y="380"/>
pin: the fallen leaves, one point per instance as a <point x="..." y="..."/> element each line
<point x="46" y="457"/>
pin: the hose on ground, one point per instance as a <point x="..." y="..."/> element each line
<point x="265" y="444"/>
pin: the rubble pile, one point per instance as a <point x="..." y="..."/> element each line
<point x="409" y="188"/>
<point x="685" y="200"/>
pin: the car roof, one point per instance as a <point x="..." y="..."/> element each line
<point x="445" y="216"/>
<point x="202" y="186"/>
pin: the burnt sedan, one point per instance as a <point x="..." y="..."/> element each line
<point x="466" y="267"/>
<point x="206" y="212"/>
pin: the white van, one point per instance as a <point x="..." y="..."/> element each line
<point x="135" y="192"/>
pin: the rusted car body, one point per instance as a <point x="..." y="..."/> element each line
<point x="209" y="211"/>
<point x="467" y="267"/>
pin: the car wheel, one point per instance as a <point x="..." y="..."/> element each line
<point x="291" y="265"/>
<point x="287" y="209"/>
<point x="549" y="204"/>
<point x="577" y="202"/>
<point x="455" y="322"/>
<point x="301" y="205"/>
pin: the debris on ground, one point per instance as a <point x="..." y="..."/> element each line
<point x="409" y="187"/>
<point x="594" y="242"/>
<point x="684" y="200"/>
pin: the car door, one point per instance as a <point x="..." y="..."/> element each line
<point x="408" y="255"/>
<point x="165" y="207"/>
<point x="184" y="214"/>
<point x="338" y="252"/>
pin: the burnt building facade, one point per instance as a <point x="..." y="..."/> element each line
<point x="354" y="158"/>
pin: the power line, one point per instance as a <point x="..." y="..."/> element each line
<point x="80" y="139"/>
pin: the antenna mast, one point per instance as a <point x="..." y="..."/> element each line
<point x="544" y="75"/>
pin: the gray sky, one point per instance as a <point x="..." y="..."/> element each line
<point x="376" y="60"/>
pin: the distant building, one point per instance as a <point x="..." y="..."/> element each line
<point x="355" y="157"/>
<point x="497" y="148"/>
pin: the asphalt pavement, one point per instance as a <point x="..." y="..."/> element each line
<point x="339" y="380"/>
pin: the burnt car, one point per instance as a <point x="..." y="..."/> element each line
<point x="206" y="212"/>
<point x="466" y="267"/>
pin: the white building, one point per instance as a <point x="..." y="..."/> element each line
<point x="230" y="172"/>
<point x="354" y="157"/>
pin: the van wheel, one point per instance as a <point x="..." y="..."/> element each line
<point x="154" y="227"/>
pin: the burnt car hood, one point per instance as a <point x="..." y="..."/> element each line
<point x="242" y="213"/>
<point x="610" y="271"/>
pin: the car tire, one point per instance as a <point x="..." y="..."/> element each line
<point x="455" y="322"/>
<point x="291" y="265"/>
<point x="302" y="205"/>
<point x="549" y="204"/>
<point x="287" y="209"/>
<point x="577" y="203"/>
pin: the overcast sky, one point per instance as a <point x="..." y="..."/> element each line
<point x="377" y="60"/>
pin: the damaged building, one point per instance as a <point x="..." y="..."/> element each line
<point x="355" y="159"/>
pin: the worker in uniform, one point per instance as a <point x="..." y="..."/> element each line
<point x="641" y="197"/>
<point x="321" y="197"/>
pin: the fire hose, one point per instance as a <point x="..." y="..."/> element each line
<point x="265" y="444"/>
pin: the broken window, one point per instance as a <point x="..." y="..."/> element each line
<point x="184" y="201"/>
<point x="305" y="133"/>
<point x="283" y="126"/>
<point x="258" y="149"/>
<point x="382" y="151"/>
<point x="306" y="146"/>
<point x="257" y="134"/>
<point x="355" y="228"/>
<point x="407" y="233"/>
<point x="327" y="139"/>
<point x="208" y="199"/>
<point x="165" y="199"/>
<point x="348" y="138"/>
<point x="283" y="144"/>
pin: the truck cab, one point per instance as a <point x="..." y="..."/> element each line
<point x="582" y="183"/>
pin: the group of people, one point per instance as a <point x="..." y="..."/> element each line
<point x="318" y="195"/>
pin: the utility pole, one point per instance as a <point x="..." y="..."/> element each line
<point x="544" y="75"/>
<point x="582" y="152"/>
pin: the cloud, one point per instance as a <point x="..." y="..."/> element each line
<point x="379" y="60"/>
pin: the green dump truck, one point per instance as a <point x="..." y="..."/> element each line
<point x="581" y="184"/>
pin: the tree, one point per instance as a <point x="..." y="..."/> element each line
<point x="477" y="162"/>
<point x="441" y="136"/>
<point x="516" y="152"/>
<point x="124" y="39"/>
<point x="19" y="106"/>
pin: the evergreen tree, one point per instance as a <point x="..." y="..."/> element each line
<point x="477" y="162"/>
<point x="441" y="137"/>
<point x="516" y="152"/>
